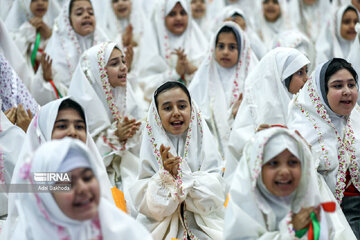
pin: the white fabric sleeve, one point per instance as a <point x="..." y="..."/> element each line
<point x="25" y="36"/>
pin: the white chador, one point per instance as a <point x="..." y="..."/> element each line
<point x="216" y="88"/>
<point x="266" y="99"/>
<point x="11" y="140"/>
<point x="253" y="212"/>
<point x="334" y="139"/>
<point x="266" y="30"/>
<point x="106" y="106"/>
<point x="39" y="132"/>
<point x="191" y="204"/>
<point x="157" y="63"/>
<point x="40" y="216"/>
<point x="330" y="43"/>
<point x="354" y="57"/>
<point x="23" y="33"/>
<point x="255" y="42"/>
<point x="12" y="53"/>
<point x="310" y="19"/>
<point x="65" y="48"/>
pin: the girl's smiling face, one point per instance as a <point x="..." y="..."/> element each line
<point x="198" y="8"/>
<point x="82" y="17"/>
<point x="348" y="22"/>
<point x="343" y="92"/>
<point x="271" y="10"/>
<point x="69" y="123"/>
<point x="226" y="51"/>
<point x="177" y="20"/>
<point x="39" y="7"/>
<point x="281" y="175"/>
<point x="298" y="80"/>
<point x="174" y="110"/>
<point x="116" y="69"/>
<point x="122" y="8"/>
<point x="82" y="201"/>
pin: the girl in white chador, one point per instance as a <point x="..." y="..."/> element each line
<point x="81" y="213"/>
<point x="338" y="36"/>
<point x="179" y="191"/>
<point x="326" y="114"/>
<point x="74" y="32"/>
<point x="201" y="15"/>
<point x="247" y="6"/>
<point x="99" y="84"/>
<point x="57" y="119"/>
<point x="219" y="83"/>
<point x="273" y="19"/>
<point x="275" y="193"/>
<point x="269" y="89"/>
<point x="31" y="23"/>
<point x="310" y="16"/>
<point x="173" y="47"/>
<point x="238" y="16"/>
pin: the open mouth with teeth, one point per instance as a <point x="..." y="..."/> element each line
<point x="84" y="203"/>
<point x="177" y="124"/>
<point x="346" y="102"/>
<point x="122" y="10"/>
<point x="87" y="23"/>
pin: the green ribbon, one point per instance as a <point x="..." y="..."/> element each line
<point x="35" y="50"/>
<point x="316" y="228"/>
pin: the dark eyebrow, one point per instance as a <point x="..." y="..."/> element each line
<point x="181" y="101"/>
<point x="66" y="120"/>
<point x="341" y="81"/>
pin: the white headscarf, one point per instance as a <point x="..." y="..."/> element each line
<point x="20" y="12"/>
<point x="266" y="99"/>
<point x="310" y="19"/>
<point x="39" y="132"/>
<point x="157" y="64"/>
<point x="13" y="91"/>
<point x="216" y="88"/>
<point x="247" y="6"/>
<point x="334" y="139"/>
<point x="41" y="217"/>
<point x="330" y="43"/>
<point x="256" y="44"/>
<point x="90" y="87"/>
<point x="268" y="30"/>
<point x="65" y="48"/>
<point x="158" y="195"/>
<point x="298" y="40"/>
<point x="252" y="205"/>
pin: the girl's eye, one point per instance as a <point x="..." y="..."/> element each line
<point x="220" y="46"/>
<point x="171" y="14"/>
<point x="168" y="108"/>
<point x="88" y="177"/>
<point x="272" y="163"/>
<point x="80" y="126"/>
<point x="61" y="126"/>
<point x="182" y="106"/>
<point x="293" y="162"/>
<point x="337" y="86"/>
<point x="91" y="12"/>
<point x="183" y="13"/>
<point x="232" y="47"/>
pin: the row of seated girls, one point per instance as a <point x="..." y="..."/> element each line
<point x="223" y="119"/>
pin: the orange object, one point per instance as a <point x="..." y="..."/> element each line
<point x="227" y="200"/>
<point x="119" y="198"/>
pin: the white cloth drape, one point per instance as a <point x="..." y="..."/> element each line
<point x="193" y="202"/>
<point x="40" y="216"/>
<point x="266" y="99"/>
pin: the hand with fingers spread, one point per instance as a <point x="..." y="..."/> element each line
<point x="46" y="63"/>
<point x="302" y="219"/>
<point x="126" y="129"/>
<point x="170" y="163"/>
<point x="11" y="114"/>
<point x="181" y="61"/>
<point x="23" y="118"/>
<point x="236" y="105"/>
<point x="129" y="54"/>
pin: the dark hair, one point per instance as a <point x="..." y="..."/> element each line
<point x="71" y="6"/>
<point x="335" y="65"/>
<point x="350" y="8"/>
<point x="71" y="104"/>
<point x="225" y="29"/>
<point x="170" y="85"/>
